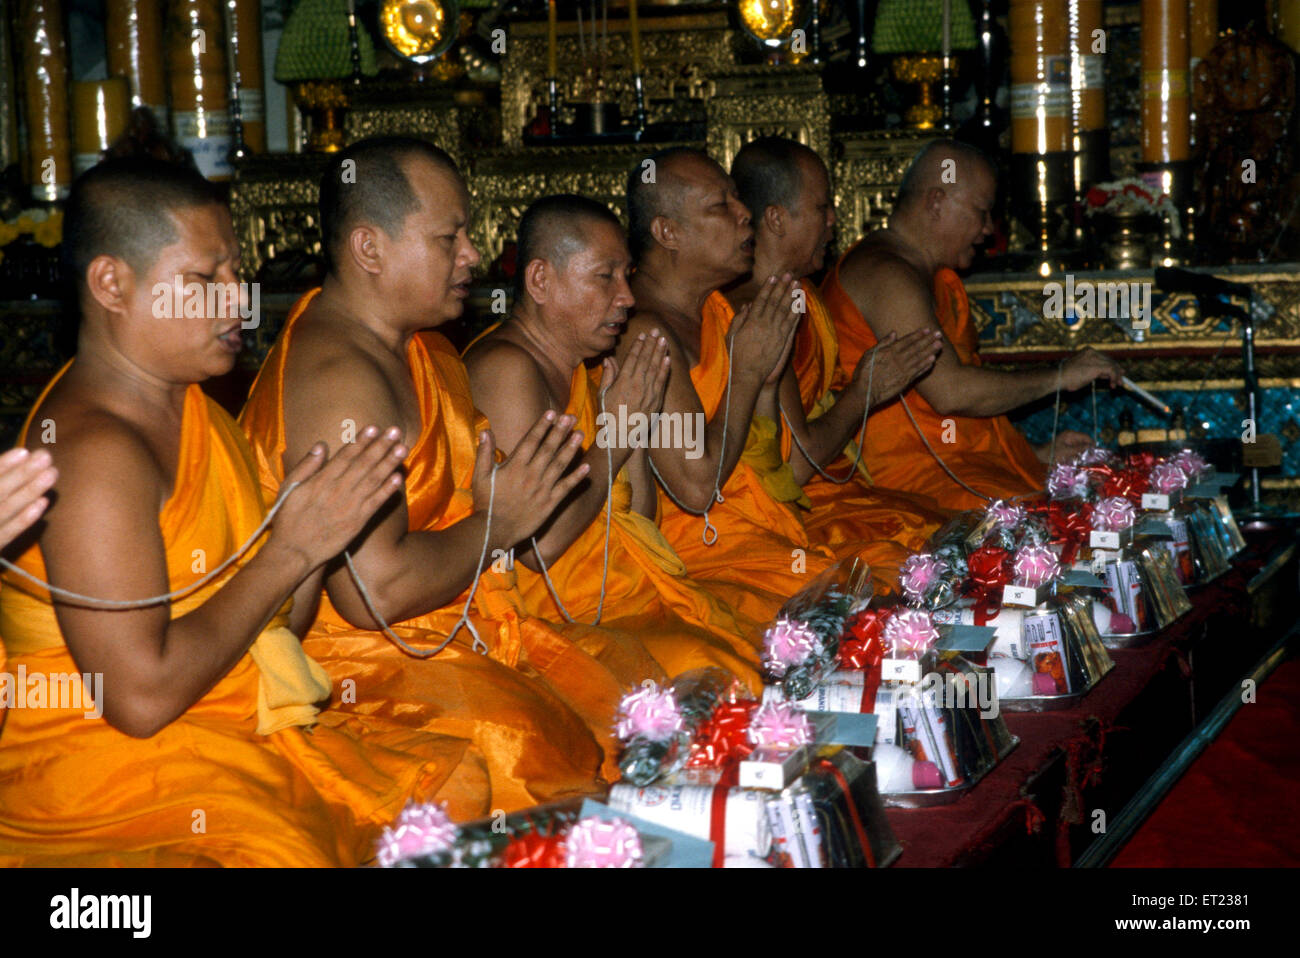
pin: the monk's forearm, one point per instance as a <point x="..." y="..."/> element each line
<point x="976" y="392"/>
<point x="422" y="572"/>
<point x="826" y="436"/>
<point x="692" y="480"/>
<point x="200" y="647"/>
<point x="579" y="511"/>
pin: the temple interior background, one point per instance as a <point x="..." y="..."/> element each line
<point x="1129" y="135"/>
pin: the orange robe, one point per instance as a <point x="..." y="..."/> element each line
<point x="988" y="453"/>
<point x="236" y="780"/>
<point x="647" y="593"/>
<point x="524" y="702"/>
<point x="858" y="510"/>
<point x="763" y="554"/>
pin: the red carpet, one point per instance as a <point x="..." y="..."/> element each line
<point x="1239" y="803"/>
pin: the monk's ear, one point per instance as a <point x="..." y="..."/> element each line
<point x="110" y="282"/>
<point x="364" y="249"/>
<point x="934" y="198"/>
<point x="664" y="231"/>
<point x="537" y="280"/>
<point x="774" y="220"/>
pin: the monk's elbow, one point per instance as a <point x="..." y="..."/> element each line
<point x="138" y="719"/>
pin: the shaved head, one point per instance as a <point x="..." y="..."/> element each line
<point x="767" y="172"/>
<point x="661" y="196"/>
<point x="554" y="228"/>
<point x="929" y="166"/>
<point x="127" y="208"/>
<point x="367" y="185"/>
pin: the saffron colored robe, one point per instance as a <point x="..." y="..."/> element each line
<point x="763" y="554"/>
<point x="525" y="702"/>
<point x="252" y="774"/>
<point x="647" y="591"/>
<point x="988" y="453"/>
<point x="844" y="514"/>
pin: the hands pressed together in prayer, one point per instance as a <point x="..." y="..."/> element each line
<point x="899" y="361"/>
<point x="338" y="494"/>
<point x="25" y="477"/>
<point x="531" y="482"/>
<point x="763" y="331"/>
<point x="640" y="383"/>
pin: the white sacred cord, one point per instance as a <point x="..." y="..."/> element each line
<point x="952" y="475"/>
<point x="609" y="508"/>
<point x="862" y="433"/>
<point x="722" y="455"/>
<point x="1056" y="413"/>
<point x="464" y="621"/>
<point x="76" y="598"/>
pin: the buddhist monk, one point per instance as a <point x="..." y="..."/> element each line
<point x="25" y="477"/>
<point x="394" y="216"/>
<point x="903" y="278"/>
<point x="787" y="189"/>
<point x="571" y="304"/>
<point x="173" y="732"/>
<point x="729" y="508"/>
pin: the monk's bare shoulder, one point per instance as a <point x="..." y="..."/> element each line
<point x="889" y="288"/>
<point x="101" y="457"/>
<point x="496" y="362"/>
<point x="333" y="389"/>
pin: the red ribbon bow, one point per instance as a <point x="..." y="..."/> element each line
<point x="860" y="648"/>
<point x="723" y="736"/>
<point x="534" y="850"/>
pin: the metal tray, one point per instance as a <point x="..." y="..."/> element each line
<point x="931" y="797"/>
<point x="1050" y="703"/>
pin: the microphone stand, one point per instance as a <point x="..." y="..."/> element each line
<point x="1211" y="306"/>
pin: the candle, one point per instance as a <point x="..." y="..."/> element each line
<point x="636" y="36"/>
<point x="196" y="69"/>
<point x="1166" y="105"/>
<point x="1203" y="28"/>
<point x="1040" y="89"/>
<point x="946" y="48"/>
<point x="44" y="61"/>
<point x="99" y="112"/>
<point x="550" y="39"/>
<point x="134" y="32"/>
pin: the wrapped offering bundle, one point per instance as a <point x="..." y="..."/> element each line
<point x="657" y="726"/>
<point x="547" y="836"/>
<point x="801" y="648"/>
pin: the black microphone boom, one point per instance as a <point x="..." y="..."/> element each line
<point x="1171" y="279"/>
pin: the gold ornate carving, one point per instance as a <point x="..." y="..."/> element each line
<point x="867" y="168"/>
<point x="679" y="55"/>
<point x="274" y="205"/>
<point x="763" y="100"/>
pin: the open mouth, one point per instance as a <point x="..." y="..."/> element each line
<point x="461" y="289"/>
<point x="231" y="339"/>
<point x="747" y="247"/>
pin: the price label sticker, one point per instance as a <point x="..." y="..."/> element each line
<point x="900" y="670"/>
<point x="1019" y="595"/>
<point x="1103" y="540"/>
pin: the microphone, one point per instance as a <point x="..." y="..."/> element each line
<point x="1171" y="279"/>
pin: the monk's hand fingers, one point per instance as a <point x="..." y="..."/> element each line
<point x="366" y="464"/>
<point x="549" y="470"/>
<point x="559" y="433"/>
<point x="659" y="384"/>
<point x="484" y="461"/>
<point x="24" y="477"/>
<point x="527" y="447"/>
<point x="308" y="466"/>
<point x="564" y="484"/>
